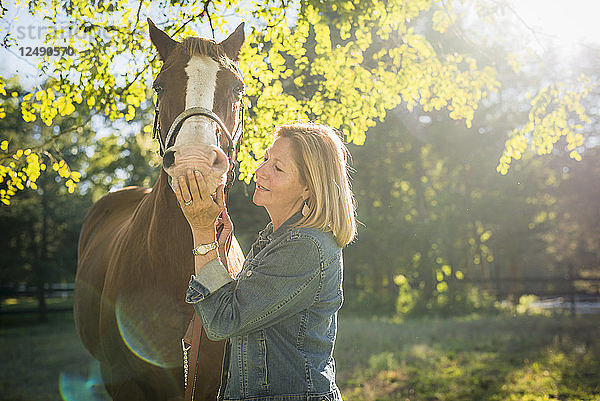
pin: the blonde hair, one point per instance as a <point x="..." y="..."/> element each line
<point x="322" y="160"/>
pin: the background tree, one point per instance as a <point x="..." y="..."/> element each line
<point x="342" y="62"/>
<point x="40" y="232"/>
<point x="441" y="227"/>
<point x="444" y="232"/>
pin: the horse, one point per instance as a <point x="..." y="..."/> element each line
<point x="135" y="247"/>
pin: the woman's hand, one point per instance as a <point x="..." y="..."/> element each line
<point x="198" y="206"/>
<point x="224" y="239"/>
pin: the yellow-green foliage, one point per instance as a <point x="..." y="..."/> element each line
<point x="557" y="111"/>
<point x="339" y="86"/>
<point x="344" y="63"/>
<point x="21" y="168"/>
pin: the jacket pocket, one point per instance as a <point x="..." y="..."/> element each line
<point x="322" y="397"/>
<point x="263" y="361"/>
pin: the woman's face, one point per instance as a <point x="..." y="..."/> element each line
<point x="278" y="186"/>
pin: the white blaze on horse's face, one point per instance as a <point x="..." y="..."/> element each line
<point x="200" y="92"/>
<point x="196" y="142"/>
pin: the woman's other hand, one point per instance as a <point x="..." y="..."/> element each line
<point x="224" y="239"/>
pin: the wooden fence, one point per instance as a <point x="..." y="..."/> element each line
<point x="20" y="292"/>
<point x="575" y="293"/>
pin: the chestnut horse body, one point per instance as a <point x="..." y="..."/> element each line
<point x="135" y="258"/>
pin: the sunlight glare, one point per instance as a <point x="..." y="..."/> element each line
<point x="564" y="23"/>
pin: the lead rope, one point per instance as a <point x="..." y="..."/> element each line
<point x="194" y="331"/>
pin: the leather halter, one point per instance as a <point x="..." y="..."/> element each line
<point x="233" y="141"/>
<point x="194" y="331"/>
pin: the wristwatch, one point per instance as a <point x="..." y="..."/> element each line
<point x="203" y="249"/>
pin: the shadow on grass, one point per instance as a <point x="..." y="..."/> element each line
<point x="488" y="358"/>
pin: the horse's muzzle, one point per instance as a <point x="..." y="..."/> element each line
<point x="210" y="160"/>
<point x="168" y="159"/>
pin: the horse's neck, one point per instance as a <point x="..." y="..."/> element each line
<point x="168" y="230"/>
<point x="162" y="200"/>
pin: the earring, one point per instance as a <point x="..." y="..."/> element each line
<point x="305" y="208"/>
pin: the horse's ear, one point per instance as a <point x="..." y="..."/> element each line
<point x="233" y="43"/>
<point x="163" y="42"/>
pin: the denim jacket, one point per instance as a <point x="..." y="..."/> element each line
<point x="279" y="316"/>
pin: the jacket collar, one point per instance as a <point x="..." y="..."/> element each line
<point x="269" y="235"/>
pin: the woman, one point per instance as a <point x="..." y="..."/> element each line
<point x="280" y="313"/>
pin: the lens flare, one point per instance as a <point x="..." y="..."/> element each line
<point x="74" y="387"/>
<point x="140" y="332"/>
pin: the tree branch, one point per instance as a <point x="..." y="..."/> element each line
<point x="206" y="4"/>
<point x="140" y="72"/>
<point x="137" y="16"/>
<point x="525" y="24"/>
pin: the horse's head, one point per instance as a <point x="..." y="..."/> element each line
<point x="199" y="90"/>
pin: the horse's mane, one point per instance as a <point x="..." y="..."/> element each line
<point x="194" y="46"/>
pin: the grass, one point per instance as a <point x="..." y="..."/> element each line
<point x="531" y="358"/>
<point x="486" y="358"/>
<point x="34" y="355"/>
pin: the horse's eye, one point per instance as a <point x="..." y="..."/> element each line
<point x="158" y="89"/>
<point x="237" y="90"/>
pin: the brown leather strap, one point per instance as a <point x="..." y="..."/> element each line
<point x="196" y="331"/>
<point x="204" y="376"/>
<point x="194" y="337"/>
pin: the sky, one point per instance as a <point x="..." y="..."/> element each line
<point x="29" y="32"/>
<point x="567" y="23"/>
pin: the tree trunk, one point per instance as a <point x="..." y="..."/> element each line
<point x="41" y="261"/>
<point x="426" y="272"/>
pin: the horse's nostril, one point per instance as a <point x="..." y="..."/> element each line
<point x="168" y="158"/>
<point x="219" y="159"/>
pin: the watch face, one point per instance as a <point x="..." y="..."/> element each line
<point x="204" y="248"/>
